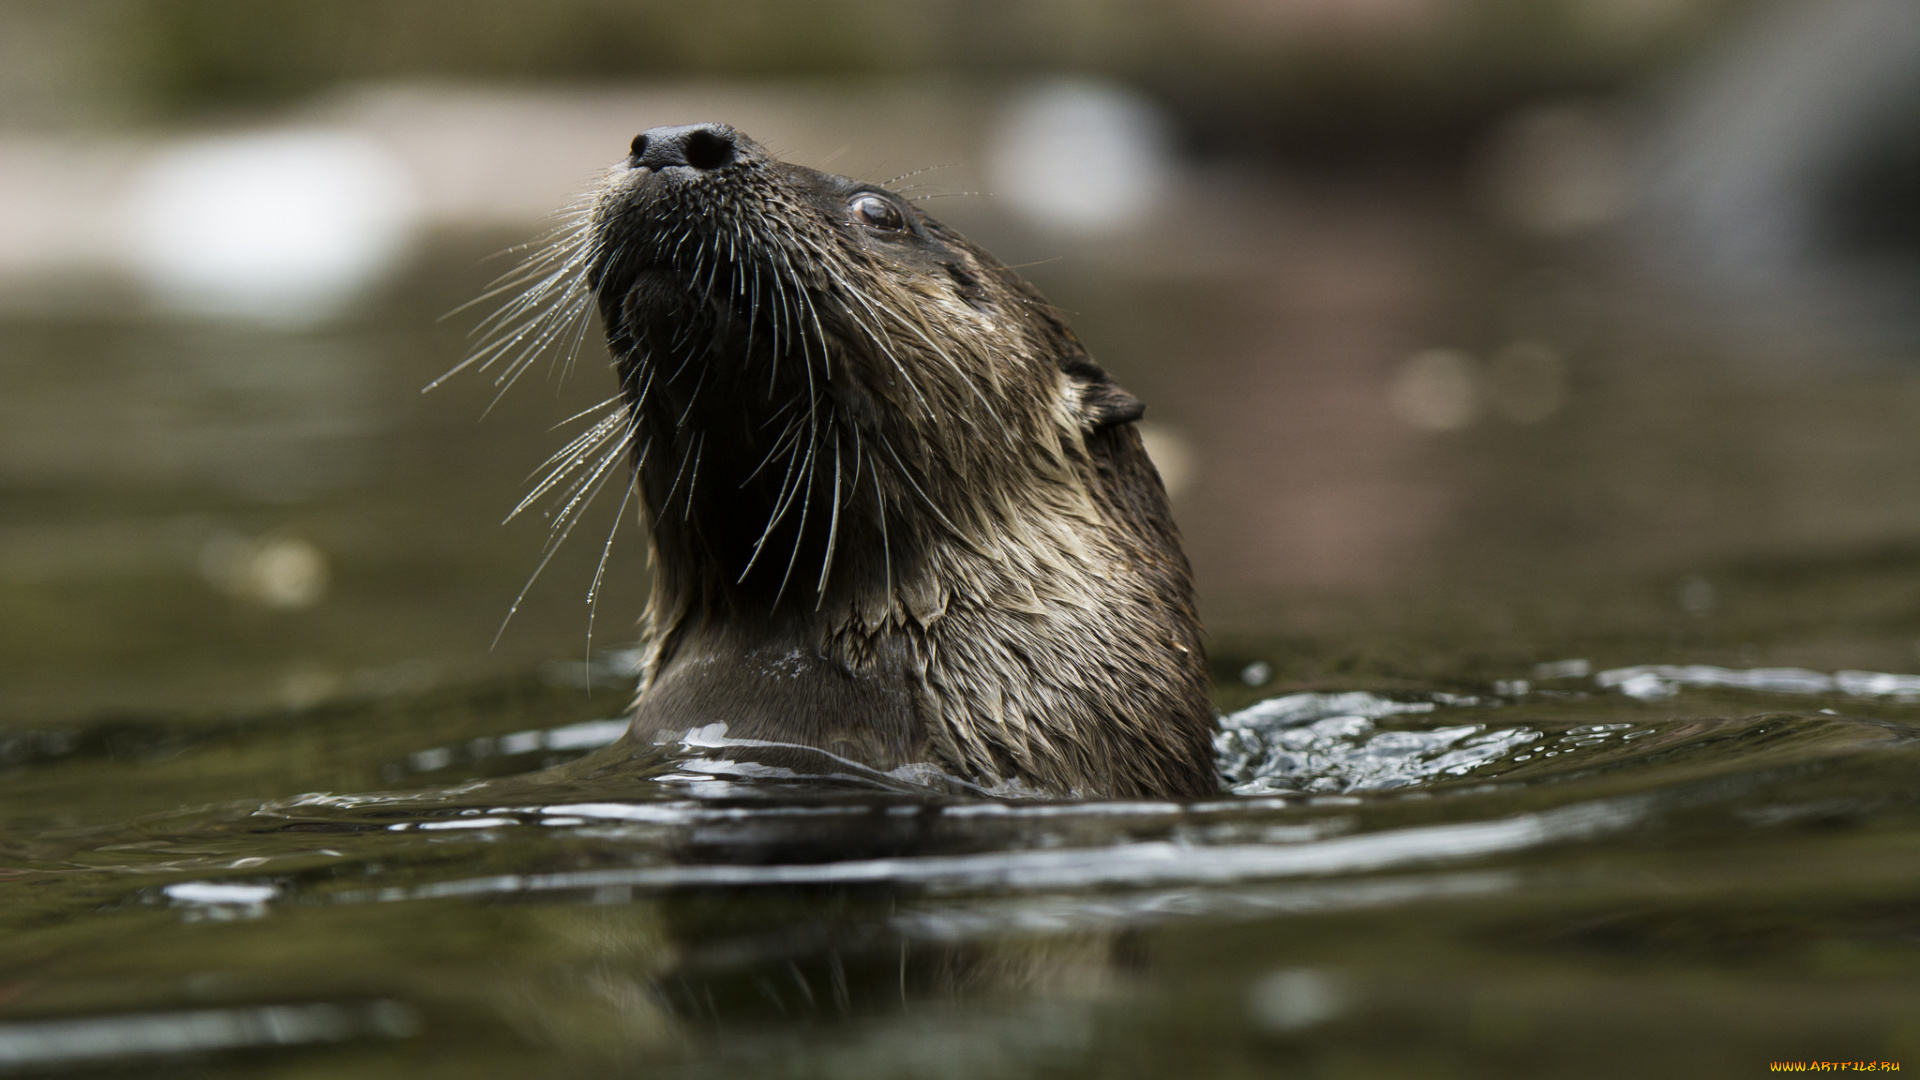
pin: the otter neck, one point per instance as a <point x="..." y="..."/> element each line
<point x="781" y="588"/>
<point x="764" y="496"/>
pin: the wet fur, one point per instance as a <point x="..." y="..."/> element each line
<point x="896" y="512"/>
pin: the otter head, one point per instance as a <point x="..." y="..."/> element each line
<point x="896" y="512"/>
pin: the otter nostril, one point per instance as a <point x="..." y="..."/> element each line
<point x="697" y="146"/>
<point x="708" y="148"/>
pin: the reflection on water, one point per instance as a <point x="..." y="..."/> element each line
<point x="265" y="416"/>
<point x="79" y="1042"/>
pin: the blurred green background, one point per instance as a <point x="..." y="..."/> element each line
<point x="1420" y="66"/>
<point x="1471" y="330"/>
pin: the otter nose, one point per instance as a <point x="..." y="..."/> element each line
<point x="699" y="146"/>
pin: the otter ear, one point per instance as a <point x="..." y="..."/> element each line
<point x="1102" y="402"/>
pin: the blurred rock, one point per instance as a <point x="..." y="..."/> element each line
<point x="1780" y="181"/>
<point x="285" y="226"/>
<point x="1296" y="999"/>
<point x="1436" y="390"/>
<point x="1082" y="156"/>
<point x="1557" y="171"/>
<point x="1526" y="382"/>
<point x="285" y="573"/>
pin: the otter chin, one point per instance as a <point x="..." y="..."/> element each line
<point x="896" y="512"/>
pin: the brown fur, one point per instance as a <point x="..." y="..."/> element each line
<point x="897" y="513"/>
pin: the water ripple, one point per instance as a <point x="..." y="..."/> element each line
<point x="1649" y="681"/>
<point x="1328" y="743"/>
<point x="1121" y="865"/>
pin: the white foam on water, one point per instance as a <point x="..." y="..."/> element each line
<point x="468" y="823"/>
<point x="1651" y="681"/>
<point x="215" y="892"/>
<point x="589" y="735"/>
<point x="1326" y="743"/>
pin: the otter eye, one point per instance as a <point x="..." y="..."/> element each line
<point x="872" y="210"/>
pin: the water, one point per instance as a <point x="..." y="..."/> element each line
<point x="1512" y="880"/>
<point x="1575" y="744"/>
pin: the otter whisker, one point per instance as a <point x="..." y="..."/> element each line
<point x="613" y="411"/>
<point x="777" y="311"/>
<point x="551" y="294"/>
<point x="612" y="401"/>
<point x="600" y="568"/>
<point x="677" y="344"/>
<point x="552" y="266"/>
<point x="637" y="401"/>
<point x="917" y="172"/>
<point x="693" y="479"/>
<point x="833" y="529"/>
<point x="699" y="384"/>
<point x="685" y="235"/>
<point x="685" y="360"/>
<point x="679" y="473"/>
<point x="583" y="321"/>
<point x="531" y="278"/>
<point x="791" y="431"/>
<point x="874" y="338"/>
<point x="854" y="484"/>
<point x="713" y="270"/>
<point x="901" y="368"/>
<point x="752" y="296"/>
<point x="915" y="326"/>
<point x="577" y="497"/>
<point x="577" y="459"/>
<point x="806" y="504"/>
<point x="805" y="296"/>
<point x="577" y="449"/>
<point x="573" y="457"/>
<point x="780" y="410"/>
<point x="529" y="333"/>
<point x="538" y="311"/>
<point x="907" y="475"/>
<point x="548" y="333"/>
<point x="566" y="246"/>
<point x="788" y="489"/>
<point x="886" y="548"/>
<point x="588" y="486"/>
<point x="807" y="367"/>
<point x="553" y="547"/>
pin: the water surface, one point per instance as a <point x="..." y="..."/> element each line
<point x="1718" y="861"/>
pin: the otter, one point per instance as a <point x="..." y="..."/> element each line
<point x="896" y="512"/>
